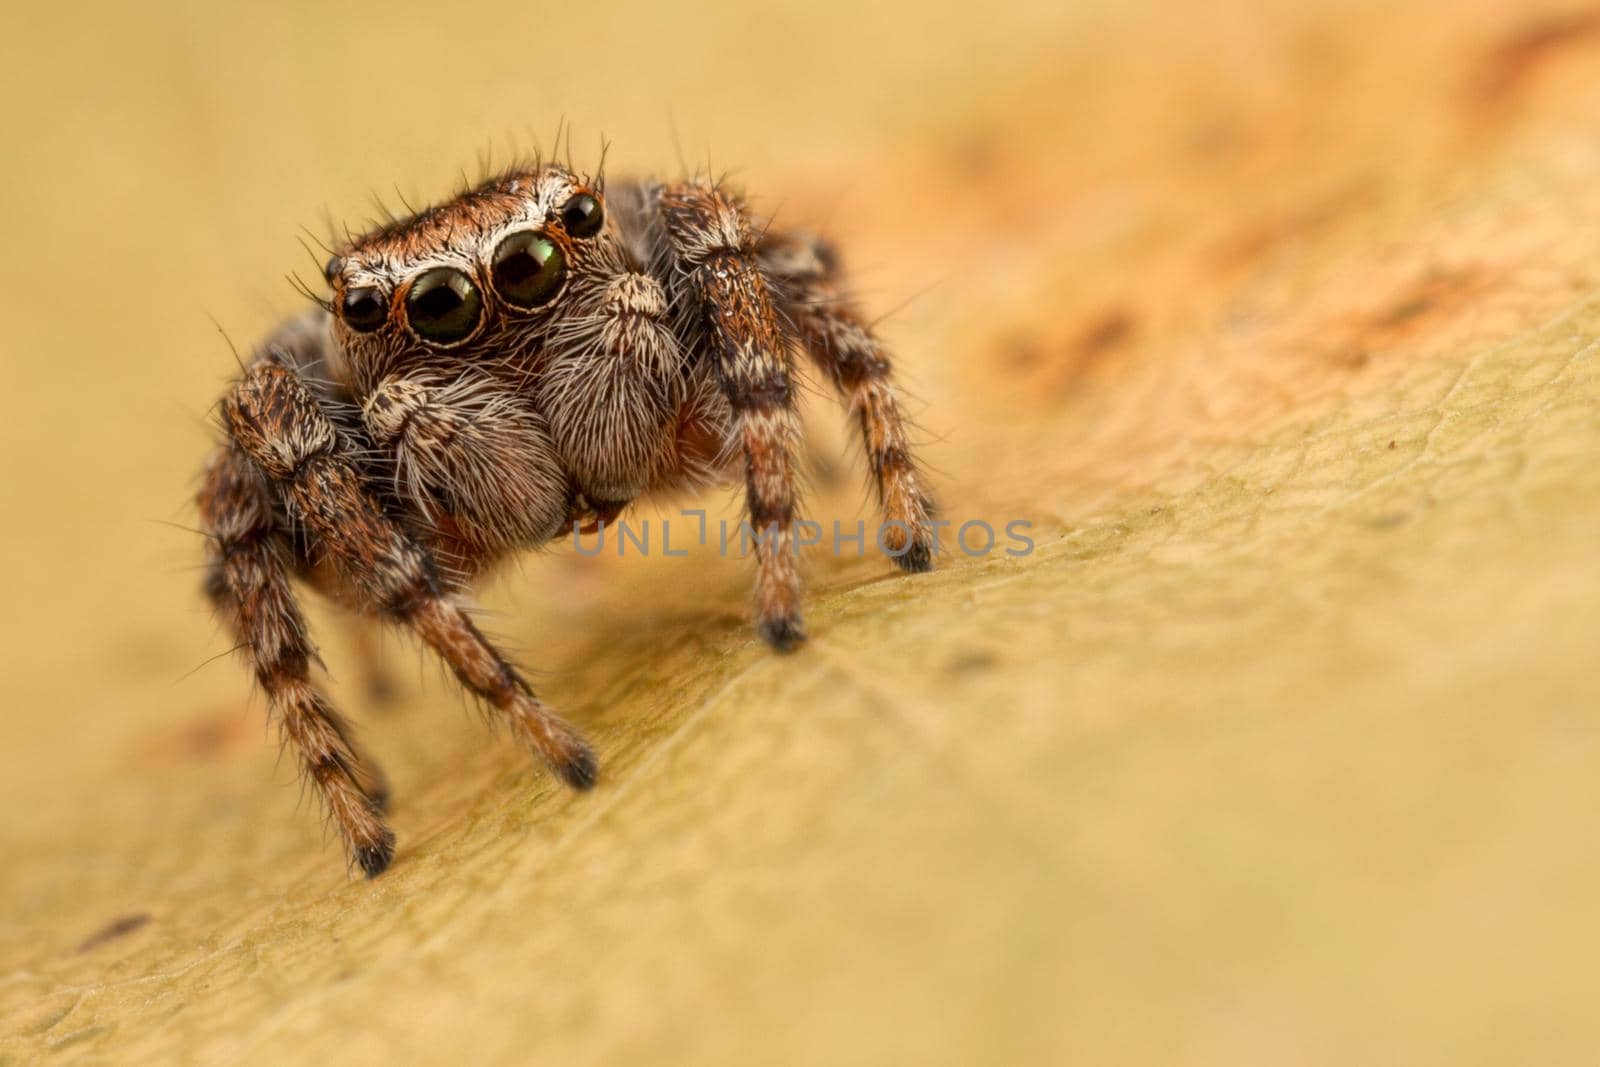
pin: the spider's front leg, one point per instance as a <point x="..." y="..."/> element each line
<point x="274" y="419"/>
<point x="714" y="246"/>
<point x="248" y="581"/>
<point x="812" y="294"/>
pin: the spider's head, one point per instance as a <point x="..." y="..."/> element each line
<point x="482" y="341"/>
<point x="481" y="278"/>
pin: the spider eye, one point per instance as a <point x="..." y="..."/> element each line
<point x="363" y="310"/>
<point x="443" y="305"/>
<point x="582" y="216"/>
<point x="528" y="269"/>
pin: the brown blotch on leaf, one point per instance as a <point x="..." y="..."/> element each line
<point x="1108" y="331"/>
<point x="1022" y="351"/>
<point x="1102" y="335"/>
<point x="1217" y="138"/>
<point x="972" y="662"/>
<point x="1243" y="248"/>
<point x="1438" y="293"/>
<point x="217" y="734"/>
<point x="1511" y="63"/>
<point x="120" y="927"/>
<point x="1426" y="306"/>
<point x="977" y="155"/>
<point x="1060" y="362"/>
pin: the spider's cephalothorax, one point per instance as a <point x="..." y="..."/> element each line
<point x="534" y="354"/>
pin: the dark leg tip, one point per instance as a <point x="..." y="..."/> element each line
<point x="374" y="859"/>
<point x="918" y="559"/>
<point x="783" y="634"/>
<point x="580" y="770"/>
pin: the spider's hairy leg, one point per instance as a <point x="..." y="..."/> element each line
<point x="712" y="239"/>
<point x="811" y="293"/>
<point x="248" y="581"/>
<point x="276" y="421"/>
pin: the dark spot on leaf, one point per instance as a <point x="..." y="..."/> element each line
<point x="216" y="734"/>
<point x="1423" y="309"/>
<point x="1410" y="309"/>
<point x="116" y="928"/>
<point x="1022" y="351"/>
<point x="971" y="662"/>
<point x="1103" y="334"/>
<point x="1511" y="63"/>
<point x="1244" y="247"/>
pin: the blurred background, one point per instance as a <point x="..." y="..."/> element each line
<point x="1275" y="319"/>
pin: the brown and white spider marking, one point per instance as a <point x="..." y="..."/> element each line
<point x="534" y="354"/>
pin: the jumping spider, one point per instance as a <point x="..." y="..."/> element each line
<point x="529" y="356"/>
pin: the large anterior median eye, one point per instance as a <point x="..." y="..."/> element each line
<point x="528" y="269"/>
<point x="582" y="216"/>
<point x="363" y="310"/>
<point x="443" y="305"/>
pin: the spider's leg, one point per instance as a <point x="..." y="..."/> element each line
<point x="248" y="581"/>
<point x="714" y="246"/>
<point x="811" y="294"/>
<point x="276" y="421"/>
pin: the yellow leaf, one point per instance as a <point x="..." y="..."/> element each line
<point x="1276" y="321"/>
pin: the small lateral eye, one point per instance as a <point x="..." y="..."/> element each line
<point x="528" y="269"/>
<point x="443" y="305"/>
<point x="363" y="310"/>
<point x="582" y="216"/>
